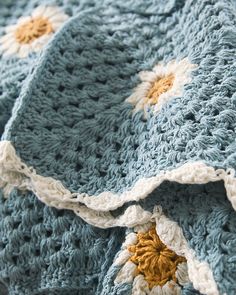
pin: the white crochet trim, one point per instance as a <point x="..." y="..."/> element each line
<point x="14" y="173"/>
<point x="132" y="216"/>
<point x="199" y="273"/>
<point x="172" y="236"/>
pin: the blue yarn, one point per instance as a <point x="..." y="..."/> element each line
<point x="208" y="222"/>
<point x="43" y="249"/>
<point x="64" y="111"/>
<point x="14" y="71"/>
<point x="3" y="289"/>
<point x="75" y="117"/>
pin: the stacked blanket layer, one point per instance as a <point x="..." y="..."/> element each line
<point x="117" y="158"/>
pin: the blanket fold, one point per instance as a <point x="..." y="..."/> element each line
<point x="117" y="160"/>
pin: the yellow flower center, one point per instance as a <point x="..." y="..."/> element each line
<point x="33" y="29"/>
<point x="154" y="260"/>
<point x="159" y="87"/>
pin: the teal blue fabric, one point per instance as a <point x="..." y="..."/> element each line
<point x="64" y="112"/>
<point x="79" y="117"/>
<point x="44" y="250"/>
<point x="48" y="251"/>
<point x="208" y="222"/>
<point x="14" y="71"/>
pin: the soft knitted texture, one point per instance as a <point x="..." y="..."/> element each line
<point x="117" y="161"/>
<point x="14" y="71"/>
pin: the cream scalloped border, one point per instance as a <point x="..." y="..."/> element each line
<point x="14" y="173"/>
<point x="172" y="236"/>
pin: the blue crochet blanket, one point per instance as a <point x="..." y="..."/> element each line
<point x="118" y="149"/>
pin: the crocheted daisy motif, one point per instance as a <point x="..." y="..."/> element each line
<point x="160" y="85"/>
<point x="32" y="32"/>
<point x="150" y="264"/>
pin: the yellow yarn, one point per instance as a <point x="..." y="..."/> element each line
<point x="159" y="87"/>
<point x="33" y="29"/>
<point x="154" y="260"/>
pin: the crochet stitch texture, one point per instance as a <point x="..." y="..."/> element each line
<point x="117" y="116"/>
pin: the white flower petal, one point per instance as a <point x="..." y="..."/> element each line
<point x="5" y="54"/>
<point x="143" y="228"/>
<point x="7" y="37"/>
<point x="140" y="106"/>
<point x="171" y="235"/>
<point x="56" y="25"/>
<point x="126" y="273"/>
<point x="146" y="76"/>
<point x="37" y="47"/>
<point x="182" y="273"/>
<point x="122" y="257"/>
<point x="51" y="11"/>
<point x="12" y="50"/>
<point x="171" y="288"/>
<point x="24" y="19"/>
<point x="140" y="286"/>
<point x="161" y="70"/>
<point x="10" y="42"/>
<point x="157" y="290"/>
<point x="39" y="11"/>
<point x="39" y="43"/>
<point x="131" y="239"/>
<point x="10" y="45"/>
<point x="24" y="50"/>
<point x="10" y="29"/>
<point x="140" y="93"/>
<point x="58" y="18"/>
<point x="179" y="69"/>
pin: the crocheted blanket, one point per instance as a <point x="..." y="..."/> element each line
<point x="118" y="150"/>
